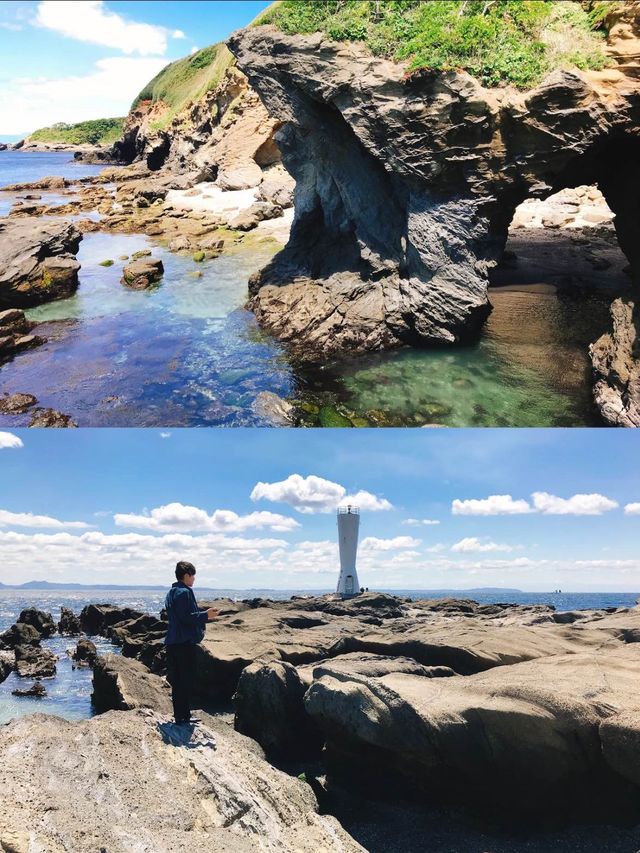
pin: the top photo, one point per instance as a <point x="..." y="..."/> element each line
<point x="320" y="213"/>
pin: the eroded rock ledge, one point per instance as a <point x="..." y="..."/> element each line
<point x="406" y="185"/>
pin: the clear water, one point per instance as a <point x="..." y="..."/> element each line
<point x="187" y="354"/>
<point x="69" y="693"/>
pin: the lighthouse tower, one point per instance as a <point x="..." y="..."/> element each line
<point x="348" y="524"/>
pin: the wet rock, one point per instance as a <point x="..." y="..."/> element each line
<point x="69" y="624"/>
<point x="50" y="418"/>
<point x="38" y="619"/>
<point x="615" y="358"/>
<point x="141" y="273"/>
<point x="122" y="684"/>
<point x="49" y="183"/>
<point x="273" y="409"/>
<point x="33" y="662"/>
<point x="85" y="652"/>
<point x="36" y="262"/>
<point x="37" y="689"/>
<point x="110" y="778"/>
<point x="19" y="634"/>
<point x="16" y="403"/>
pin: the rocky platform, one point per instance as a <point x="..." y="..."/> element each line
<point x="134" y="781"/>
<point x="407" y="184"/>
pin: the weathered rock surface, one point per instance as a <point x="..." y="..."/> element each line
<point x="406" y="185"/>
<point x="142" y="273"/>
<point x="52" y="418"/>
<point x="121" y="684"/>
<point x="14" y="338"/>
<point x="37" y="689"/>
<point x="616" y="367"/>
<point x="34" y="662"/>
<point x="7" y="664"/>
<point x="69" y="624"/>
<point x="38" y="619"/>
<point x="16" y="404"/>
<point x="85" y="652"/>
<point x="96" y="618"/>
<point x="19" y="634"/>
<point x="524" y="737"/>
<point x="37" y="262"/>
<point x="131" y="780"/>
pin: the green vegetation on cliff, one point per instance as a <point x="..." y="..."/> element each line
<point x="100" y="131"/>
<point x="186" y="80"/>
<point x="498" y="41"/>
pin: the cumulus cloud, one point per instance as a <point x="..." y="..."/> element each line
<point x="28" y="519"/>
<point x="91" y="21"/>
<point x="472" y="543"/>
<point x="493" y="505"/>
<point x="593" y="504"/>
<point x="632" y="509"/>
<point x="416" y="522"/>
<point x="177" y="516"/>
<point x="9" y="441"/>
<point x="314" y="494"/>
<point x="372" y="543"/>
<point x="165" y="435"/>
<point x="27" y="103"/>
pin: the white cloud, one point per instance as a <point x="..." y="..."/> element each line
<point x="194" y="49"/>
<point x="28" y="103"/>
<point x="165" y="435"/>
<point x="372" y="543"/>
<point x="436" y="549"/>
<point x="632" y="509"/>
<point x="28" y="519"/>
<point x="91" y="21"/>
<point x="493" y="505"/>
<point x="416" y="522"/>
<point x="472" y="543"/>
<point x="177" y="516"/>
<point x="7" y="25"/>
<point x="314" y="494"/>
<point x="593" y="504"/>
<point x="9" y="441"/>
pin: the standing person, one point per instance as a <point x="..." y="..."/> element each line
<point x="186" y="629"/>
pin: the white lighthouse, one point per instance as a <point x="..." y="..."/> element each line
<point x="348" y="524"/>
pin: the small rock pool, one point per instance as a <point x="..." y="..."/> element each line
<point x="186" y="353"/>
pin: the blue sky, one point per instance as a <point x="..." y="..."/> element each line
<point x="71" y="60"/>
<point x="121" y="506"/>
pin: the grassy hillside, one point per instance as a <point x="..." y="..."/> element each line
<point x="186" y="80"/>
<point x="95" y="132"/>
<point x="498" y="41"/>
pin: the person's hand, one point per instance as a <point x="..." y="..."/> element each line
<point x="211" y="614"/>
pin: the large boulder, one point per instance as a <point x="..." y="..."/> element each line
<point x="142" y="273"/>
<point x="37" y="262"/>
<point x="124" y="781"/>
<point x="69" y="624"/>
<point x="38" y="619"/>
<point x="523" y="738"/>
<point x="122" y="684"/>
<point x="19" y="634"/>
<point x="7" y="664"/>
<point x="32" y="662"/>
<point x="406" y="184"/>
<point x="85" y="652"/>
<point x="97" y="618"/>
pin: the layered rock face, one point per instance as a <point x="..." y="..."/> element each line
<point x="616" y="367"/>
<point x="37" y="262"/>
<point x="406" y="185"/>
<point x="132" y="781"/>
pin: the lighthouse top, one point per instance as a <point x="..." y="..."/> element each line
<point x="348" y="510"/>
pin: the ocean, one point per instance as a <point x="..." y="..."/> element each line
<point x="69" y="693"/>
<point x="19" y="167"/>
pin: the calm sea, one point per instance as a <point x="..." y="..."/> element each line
<point x="70" y="691"/>
<point x="18" y="167"/>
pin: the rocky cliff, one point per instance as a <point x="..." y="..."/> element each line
<point x="407" y="183"/>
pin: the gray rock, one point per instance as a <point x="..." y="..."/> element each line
<point x="85" y="652"/>
<point x="122" y="684"/>
<point x="256" y="213"/>
<point x="36" y="262"/>
<point x="69" y="624"/>
<point x="112" y="783"/>
<point x="33" y="662"/>
<point x="615" y="358"/>
<point x="19" y="634"/>
<point x="38" y="619"/>
<point x="273" y="409"/>
<point x="406" y="185"/>
<point x="7" y="664"/>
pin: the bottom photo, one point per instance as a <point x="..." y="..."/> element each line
<point x="354" y="640"/>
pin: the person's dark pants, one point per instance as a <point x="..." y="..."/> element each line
<point x="181" y="669"/>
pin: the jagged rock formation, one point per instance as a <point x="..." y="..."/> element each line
<point x="37" y="262"/>
<point x="132" y="780"/>
<point x="406" y="185"/>
<point x="616" y="367"/>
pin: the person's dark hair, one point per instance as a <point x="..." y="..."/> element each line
<point x="183" y="568"/>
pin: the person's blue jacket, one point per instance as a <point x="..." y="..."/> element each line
<point x="186" y="622"/>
